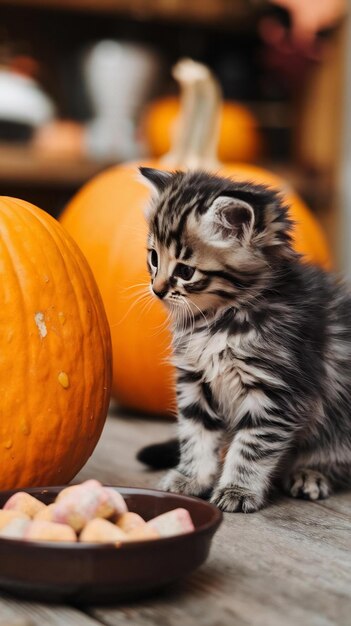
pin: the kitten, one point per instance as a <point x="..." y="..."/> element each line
<point x="261" y="341"/>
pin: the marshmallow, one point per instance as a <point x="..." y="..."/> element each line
<point x="142" y="533"/>
<point x="24" y="502"/>
<point x="15" y="529"/>
<point x="176" y="522"/>
<point x="128" y="521"/>
<point x="7" y="516"/>
<point x="45" y="515"/>
<point x="39" y="530"/>
<point x="102" y="531"/>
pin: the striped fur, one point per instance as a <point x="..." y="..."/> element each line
<point x="262" y="344"/>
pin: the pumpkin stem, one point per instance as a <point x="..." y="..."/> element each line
<point x="197" y="128"/>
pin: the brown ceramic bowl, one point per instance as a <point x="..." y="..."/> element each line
<point x="81" y="573"/>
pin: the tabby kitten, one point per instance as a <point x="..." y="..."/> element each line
<point x="262" y="344"/>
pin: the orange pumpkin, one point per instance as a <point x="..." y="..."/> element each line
<point x="239" y="135"/>
<point x="55" y="359"/>
<point x="106" y="219"/>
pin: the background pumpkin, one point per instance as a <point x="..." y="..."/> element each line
<point x="239" y="135"/>
<point x="55" y="359"/>
<point x="106" y="219"/>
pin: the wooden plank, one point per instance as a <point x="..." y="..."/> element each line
<point x="19" y="613"/>
<point x="114" y="459"/>
<point x="275" y="567"/>
<point x="340" y="503"/>
<point x="244" y="600"/>
<point x="288" y="564"/>
<point x="24" y="165"/>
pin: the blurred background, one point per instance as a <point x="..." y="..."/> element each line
<point x="88" y="83"/>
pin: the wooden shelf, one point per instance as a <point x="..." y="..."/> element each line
<point x="23" y="165"/>
<point x="50" y="182"/>
<point x="199" y="11"/>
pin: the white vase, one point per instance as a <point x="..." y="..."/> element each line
<point x="119" y="78"/>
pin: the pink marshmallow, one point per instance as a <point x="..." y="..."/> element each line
<point x="117" y="501"/>
<point x="15" y="529"/>
<point x="102" y="531"/>
<point x="40" y="530"/>
<point x="8" y="516"/>
<point x="87" y="501"/>
<point x="176" y="522"/>
<point x="24" y="502"/>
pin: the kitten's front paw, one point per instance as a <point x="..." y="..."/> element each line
<point x="309" y="485"/>
<point x="186" y="485"/>
<point x="235" y="499"/>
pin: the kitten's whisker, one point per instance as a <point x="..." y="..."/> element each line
<point x="192" y="318"/>
<point x="136" y="285"/>
<point x="161" y="327"/>
<point x="202" y="313"/>
<point x="179" y="315"/>
<point x="131" y="297"/>
<point x="147" y="305"/>
<point x="132" y="306"/>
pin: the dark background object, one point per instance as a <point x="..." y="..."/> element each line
<point x="301" y="122"/>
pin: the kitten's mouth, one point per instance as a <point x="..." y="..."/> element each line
<point x="178" y="300"/>
<point x="175" y="297"/>
<point x="184" y="305"/>
<point x="173" y="300"/>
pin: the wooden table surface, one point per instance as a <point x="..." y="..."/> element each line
<point x="288" y="565"/>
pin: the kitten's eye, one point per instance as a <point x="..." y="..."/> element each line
<point x="185" y="272"/>
<point x="154" y="258"/>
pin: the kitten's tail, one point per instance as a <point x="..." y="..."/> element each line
<point x="161" y="455"/>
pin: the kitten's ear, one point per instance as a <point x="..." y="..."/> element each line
<point x="156" y="179"/>
<point x="228" y="218"/>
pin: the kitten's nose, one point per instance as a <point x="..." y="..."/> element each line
<point x="160" y="294"/>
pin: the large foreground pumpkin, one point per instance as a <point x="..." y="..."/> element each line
<point x="55" y="358"/>
<point x="106" y="219"/>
